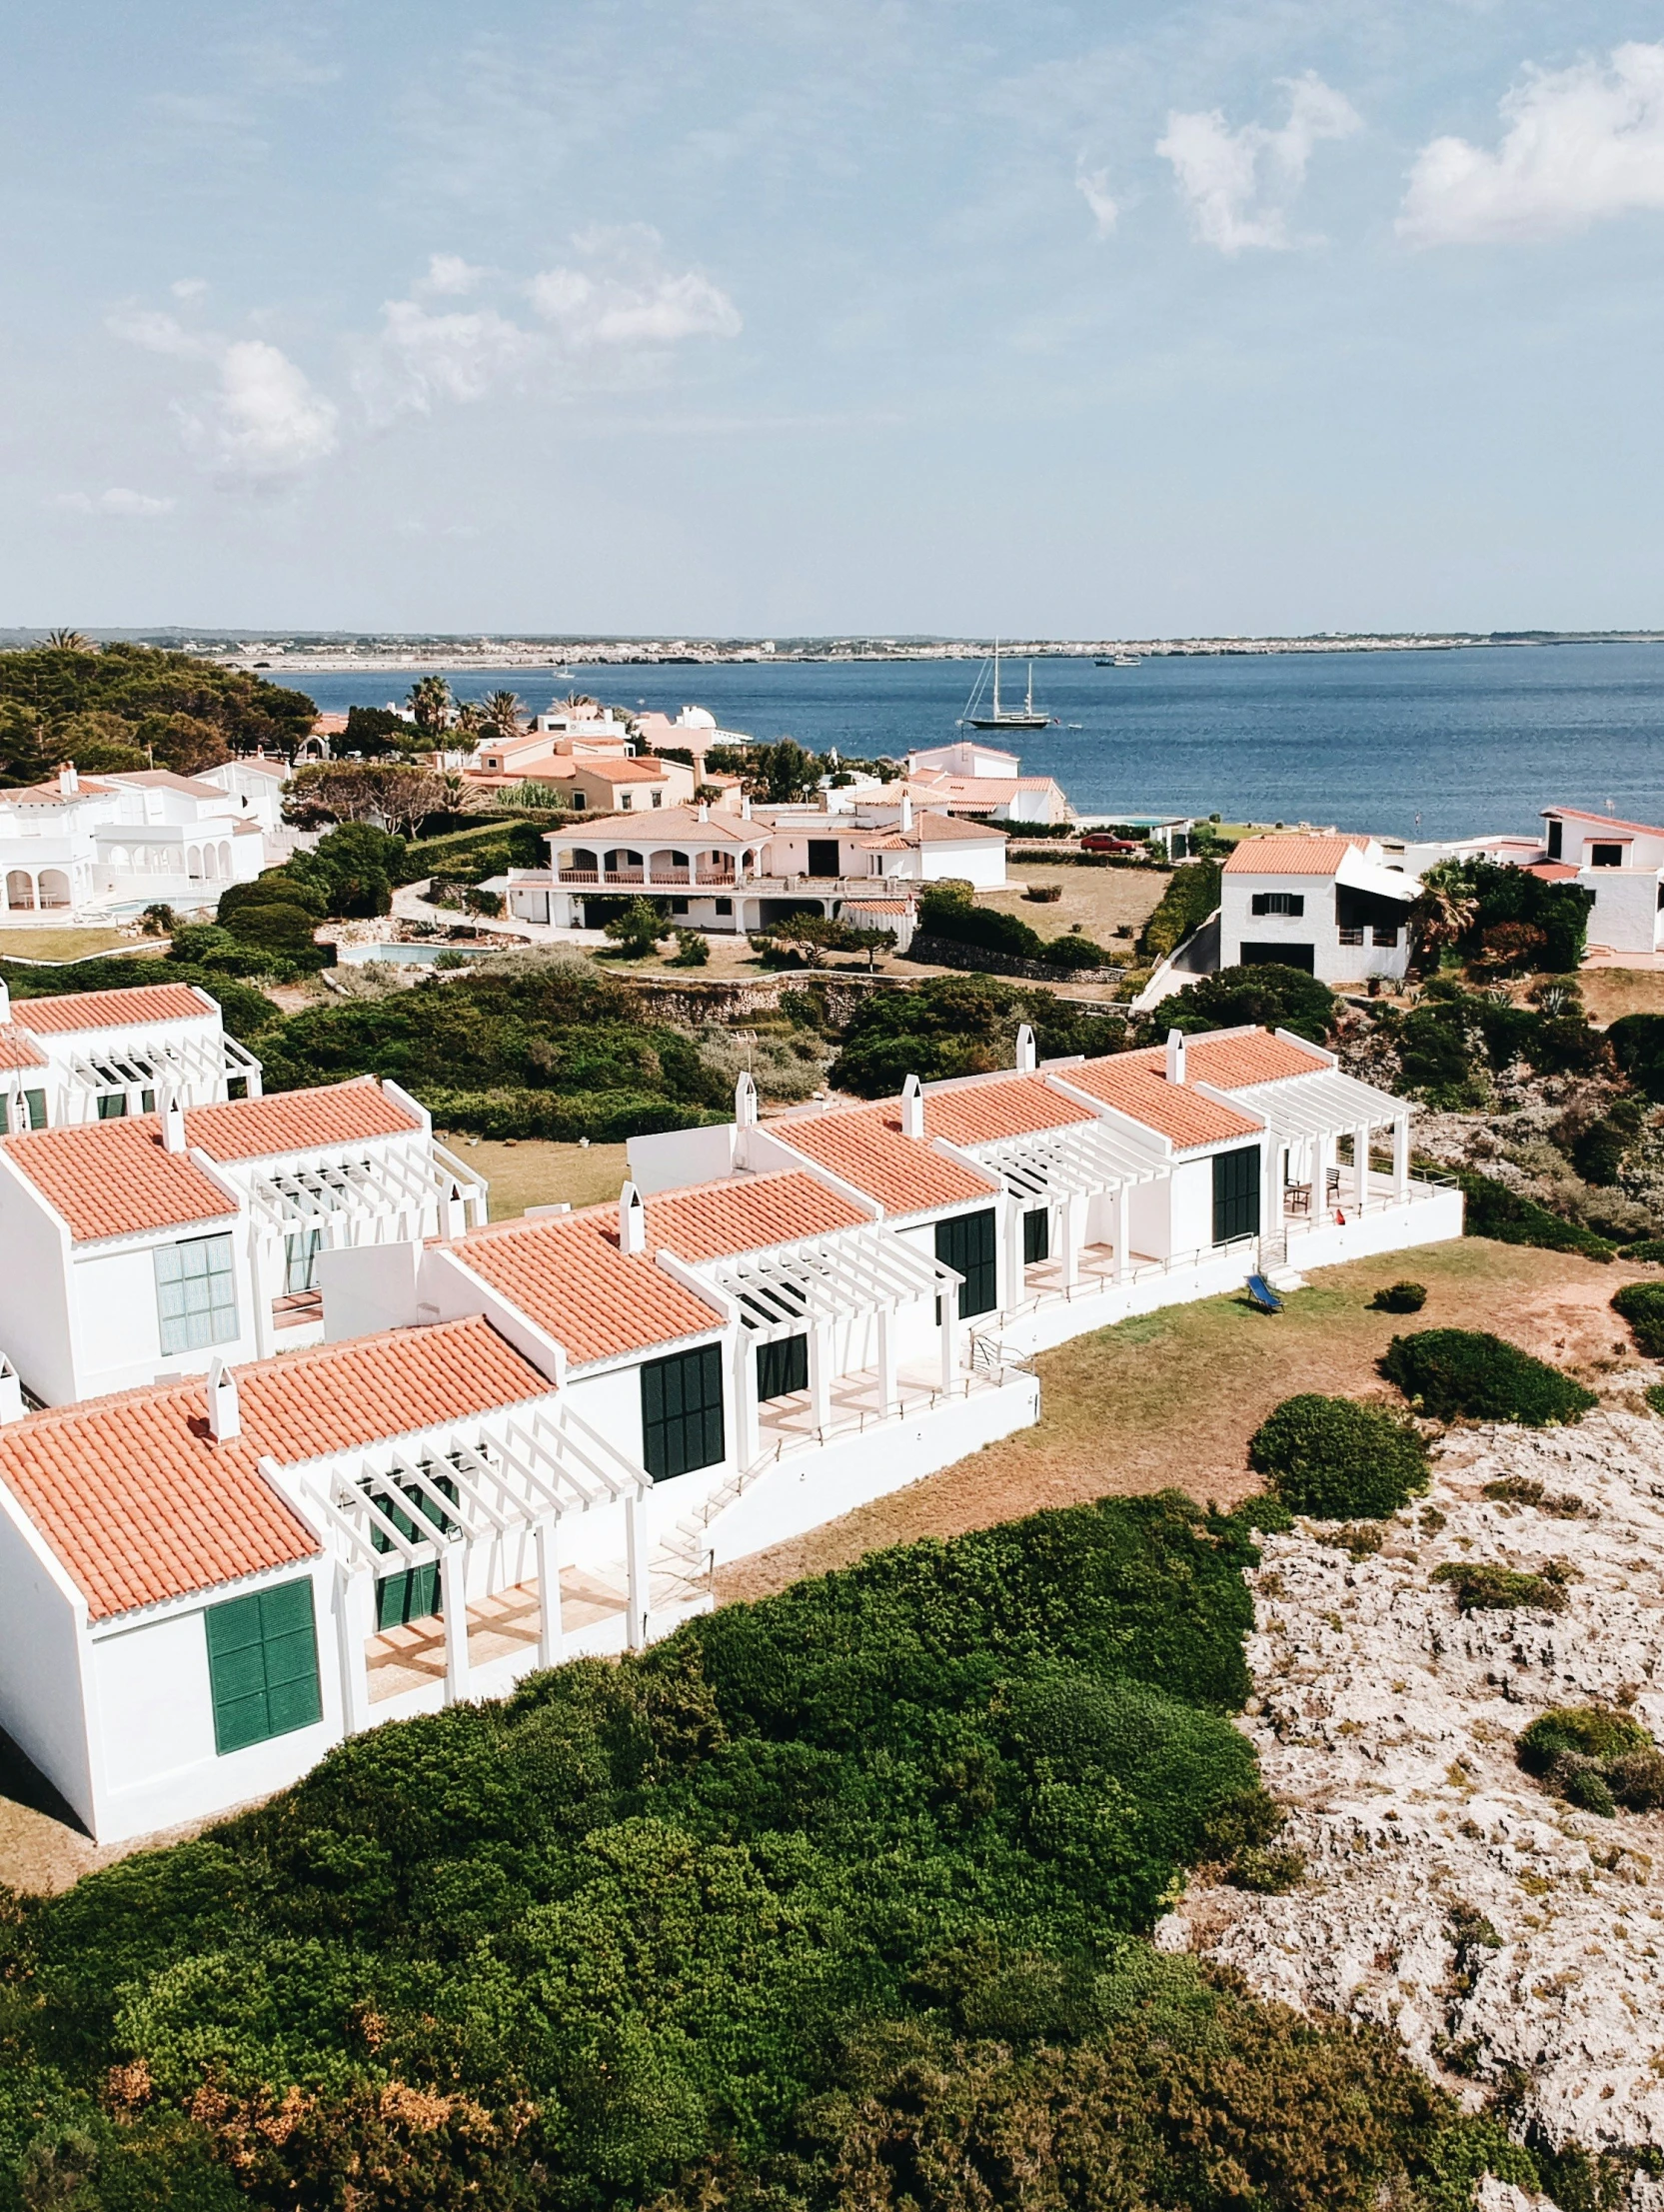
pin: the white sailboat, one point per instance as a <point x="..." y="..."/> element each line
<point x="998" y="717"/>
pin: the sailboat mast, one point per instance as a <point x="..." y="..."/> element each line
<point x="997" y="679"/>
<point x="1030" y="709"/>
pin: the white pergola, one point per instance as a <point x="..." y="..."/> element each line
<point x="512" y="1475"/>
<point x="805" y="1288"/>
<point x="1060" y="1169"/>
<point x="1304" y="1115"/>
<point x="390" y="1196"/>
<point x="197" y="1069"/>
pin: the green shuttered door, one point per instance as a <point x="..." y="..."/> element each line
<point x="682" y="1412"/>
<point x="782" y="1368"/>
<point x="965" y="1245"/>
<point x="263" y="1665"/>
<point x="1236" y="1193"/>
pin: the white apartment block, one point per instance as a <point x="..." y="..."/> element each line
<point x="100" y="1055"/>
<point x="532" y="1440"/>
<point x="735" y="872"/>
<point x="1336" y="905"/>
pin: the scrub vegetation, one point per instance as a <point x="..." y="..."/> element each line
<point x="132" y="706"/>
<point x="836" y="1898"/>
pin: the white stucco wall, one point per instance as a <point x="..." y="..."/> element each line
<point x="1625" y="916"/>
<point x="41" y="1661"/>
<point x="682" y="1156"/>
<point x="35" y="1324"/>
<point x="118" y="1323"/>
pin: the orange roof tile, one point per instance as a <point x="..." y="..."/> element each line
<point x="564" y="1273"/>
<point x="113" y="1009"/>
<point x="1133" y="1083"/>
<point x="141" y="1506"/>
<point x="1552" y="871"/>
<point x="715" y="1219"/>
<point x="296" y="1121"/>
<point x="116" y="1179"/>
<point x="1001" y="1106"/>
<point x="1293" y="855"/>
<point x="867" y="1147"/>
<point x="1257" y="1057"/>
<point x="19" y="1049"/>
<point x="1603" y="822"/>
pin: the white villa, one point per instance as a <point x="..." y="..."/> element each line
<point x="85" y="848"/>
<point x="971" y="777"/>
<point x="725" y="870"/>
<point x="99" y="1056"/>
<point x="532" y="1440"/>
<point x="1335" y="904"/>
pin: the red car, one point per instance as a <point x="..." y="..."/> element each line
<point x="1100" y="841"/>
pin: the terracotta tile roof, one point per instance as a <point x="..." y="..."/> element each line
<point x="1228" y="1062"/>
<point x="1134" y="1083"/>
<point x="1292" y="855"/>
<point x="904" y="1174"/>
<point x="113" y="1009"/>
<point x="1004" y="1106"/>
<point x="668" y="824"/>
<point x="564" y="1273"/>
<point x="259" y="764"/>
<point x="877" y="906"/>
<point x="141" y="1506"/>
<point x="717" y="1219"/>
<point x="116" y="1179"/>
<point x="893" y="843"/>
<point x="296" y="1121"/>
<point x="934" y="829"/>
<point x="1552" y="871"/>
<point x="163" y="779"/>
<point x="19" y="1049"/>
<point x="1603" y="822"/>
<point x="630" y="769"/>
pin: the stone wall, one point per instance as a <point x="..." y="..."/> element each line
<point x="980" y="960"/>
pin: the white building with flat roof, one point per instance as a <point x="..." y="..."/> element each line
<point x="1334" y="904"/>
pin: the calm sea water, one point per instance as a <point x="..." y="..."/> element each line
<point x="1449" y="743"/>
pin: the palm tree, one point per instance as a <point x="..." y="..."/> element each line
<point x="68" y="641"/>
<point x="472" y="721"/>
<point x="429" y="700"/>
<point x="503" y="712"/>
<point x="1443" y="912"/>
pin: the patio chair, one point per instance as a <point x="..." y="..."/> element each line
<point x="1262" y="1295"/>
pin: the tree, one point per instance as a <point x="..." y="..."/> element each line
<point x="635" y="928"/>
<point x="472" y="720"/>
<point x="1443" y="912"/>
<point x="187" y="744"/>
<point x="393" y="794"/>
<point x="374" y="731"/>
<point x="68" y="641"/>
<point x="99" y="742"/>
<point x="429" y="700"/>
<point x="1280" y="998"/>
<point x="503" y="712"/>
<point x="780" y="772"/>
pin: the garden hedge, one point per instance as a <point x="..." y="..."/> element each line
<point x="1642" y="1306"/>
<point x="1339" y="1459"/>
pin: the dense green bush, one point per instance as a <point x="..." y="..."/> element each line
<point x="1497" y="897"/>
<point x="1075" y="950"/>
<point x="1481" y="1586"/>
<point x="947" y="910"/>
<point x="1339" y="1459"/>
<point x="1490" y="1209"/>
<point x="958" y="1026"/>
<point x="1637" y="1042"/>
<point x="1277" y="997"/>
<point x="1463" y="1373"/>
<point x="1191" y="894"/>
<point x="1400" y="1297"/>
<point x="1642" y="1306"/>
<point x="604" y="1116"/>
<point x="1596" y="1758"/>
<point x="1649" y="1251"/>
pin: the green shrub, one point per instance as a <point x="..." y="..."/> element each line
<point x="1339" y="1459"/>
<point x="1591" y="1731"/>
<point x="692" y="949"/>
<point x="1074" y="950"/>
<point x="1278" y="998"/>
<point x="277" y="927"/>
<point x="1636" y="1780"/>
<point x="1520" y="1489"/>
<point x="1191" y="894"/>
<point x="1642" y="1306"/>
<point x="1637" y="1042"/>
<point x="1648" y="1253"/>
<point x="1586" y="1787"/>
<point x="1400" y="1297"/>
<point x="1463" y="1373"/>
<point x="1483" y="1588"/>
<point x="604" y="1116"/>
<point x="1492" y="1209"/>
<point x="1654" y="1396"/>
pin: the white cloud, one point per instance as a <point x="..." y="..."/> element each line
<point x="266" y="420"/>
<point x="588" y="311"/>
<point x="1238" y="185"/>
<point x="449" y="276"/>
<point x="420" y="358"/>
<point x="1093" y="187"/>
<point x="116" y="500"/>
<point x="1581" y="144"/>
<point x="189" y="287"/>
<point x="159" y="333"/>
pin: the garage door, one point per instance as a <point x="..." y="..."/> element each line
<point x="1286" y="956"/>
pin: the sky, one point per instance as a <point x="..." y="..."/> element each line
<point x="785" y="317"/>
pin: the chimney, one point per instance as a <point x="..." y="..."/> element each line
<point x="225" y="1418"/>
<point x="745" y="807"/>
<point x="1176" y="1055"/>
<point x="172" y="1124"/>
<point x="705" y="809"/>
<point x="905" y="822"/>
<point x="11" y="1391"/>
<point x="745" y="1100"/>
<point x="631" y="1221"/>
<point x="913" y="1108"/>
<point x="69" y="783"/>
<point x="1025" y="1051"/>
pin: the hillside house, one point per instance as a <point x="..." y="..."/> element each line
<point x="1335" y="905"/>
<point x="99" y="1056"/>
<point x="84" y="847"/>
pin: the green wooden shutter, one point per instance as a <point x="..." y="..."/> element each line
<point x="1036" y="1237"/>
<point x="782" y="1368"/>
<point x="682" y="1412"/>
<point x="966" y="1244"/>
<point x="263" y="1665"/>
<point x="1236" y="1194"/>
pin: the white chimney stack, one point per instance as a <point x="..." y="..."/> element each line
<point x="631" y="1221"/>
<point x="913" y="1108"/>
<point x="905" y="823"/>
<point x="11" y="1391"/>
<point x="1176" y="1055"/>
<point x="745" y="1100"/>
<point x="5" y="1003"/>
<point x="224" y="1416"/>
<point x="705" y="809"/>
<point x="745" y="806"/>
<point x="172" y="1124"/>
<point x="1025" y="1056"/>
<point x="69" y="783"/>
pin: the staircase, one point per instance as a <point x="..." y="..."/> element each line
<point x="682" y="1558"/>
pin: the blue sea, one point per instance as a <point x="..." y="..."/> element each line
<point x="1440" y="744"/>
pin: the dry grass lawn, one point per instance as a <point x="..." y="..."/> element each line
<point x="1100" y="898"/>
<point x="63" y="945"/>
<point x="1170" y="1399"/>
<point x="531" y="1170"/>
<point x="1611" y="992"/>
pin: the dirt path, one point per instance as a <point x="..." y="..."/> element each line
<point x="1171" y="1398"/>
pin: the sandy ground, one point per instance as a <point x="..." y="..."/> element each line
<point x="1611" y="992"/>
<point x="1101" y="899"/>
<point x="1171" y="1398"/>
